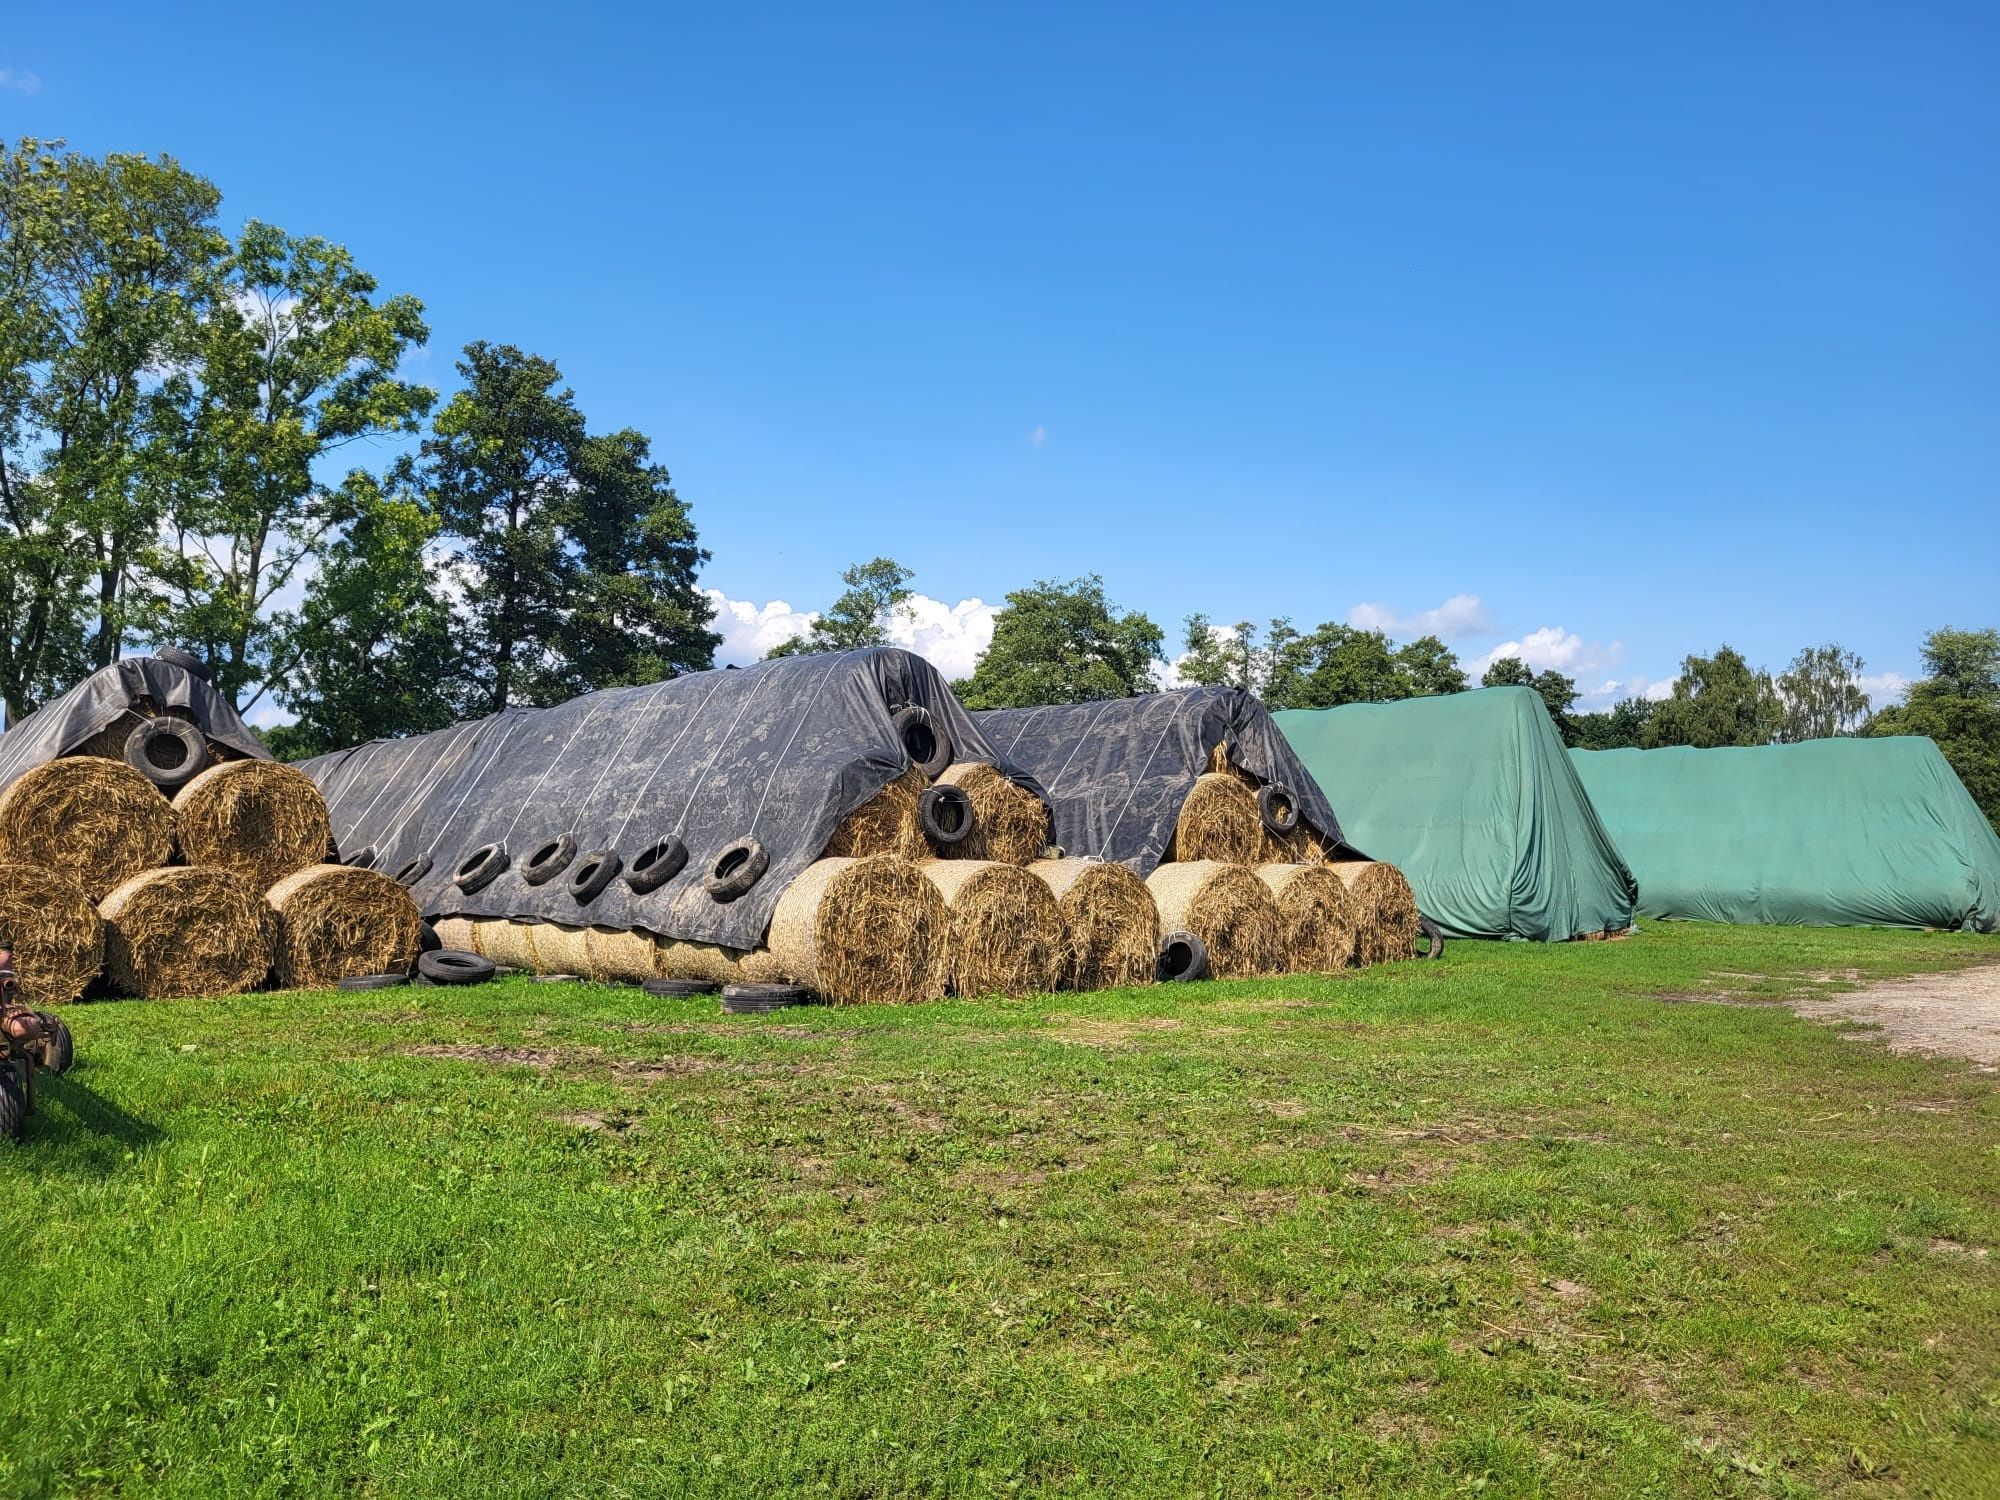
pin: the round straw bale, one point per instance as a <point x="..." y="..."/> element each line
<point x="885" y="824"/>
<point x="186" y="931"/>
<point x="256" y="817"/>
<point x="1219" y="821"/>
<point x="98" y="822"/>
<point x="1010" y="824"/>
<point x="1007" y="931"/>
<point x="1318" y="914"/>
<point x="1385" y="910"/>
<point x="54" y="931"/>
<point x="861" y="931"/>
<point x="460" y="933"/>
<point x="1114" y="927"/>
<point x="1229" y="909"/>
<point x="335" y="922"/>
<point x="674" y="959"/>
<point x="617" y="957"/>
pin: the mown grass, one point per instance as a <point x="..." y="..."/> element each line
<point x="1507" y="1224"/>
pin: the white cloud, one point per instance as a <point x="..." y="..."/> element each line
<point x="19" y="81"/>
<point x="265" y="713"/>
<point x="1549" y="647"/>
<point x="1459" y="616"/>
<point x="749" y="631"/>
<point x="1884" y="688"/>
<point x="951" y="637"/>
<point x="1039" y="436"/>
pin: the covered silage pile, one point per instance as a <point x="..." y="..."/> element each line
<point x="141" y="797"/>
<point x="1828" y="833"/>
<point x="1473" y="797"/>
<point x="685" y="812"/>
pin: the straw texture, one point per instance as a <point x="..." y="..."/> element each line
<point x="1113" y="925"/>
<point x="334" y="922"/>
<point x="1007" y="931"/>
<point x="258" y="818"/>
<point x="98" y="822"/>
<point x="1318" y="916"/>
<point x="1010" y="824"/>
<point x="1229" y="909"/>
<point x="54" y="931"/>
<point x="186" y="931"/>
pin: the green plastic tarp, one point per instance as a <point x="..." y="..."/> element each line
<point x="1471" y="795"/>
<point x="1828" y="833"/>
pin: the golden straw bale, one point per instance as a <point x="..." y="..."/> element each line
<point x="97" y="822"/>
<point x="1010" y="824"/>
<point x="458" y="933"/>
<point x="885" y="824"/>
<point x="186" y="931"/>
<point x="862" y="931"/>
<point x="1114" y="927"/>
<point x="54" y="931"/>
<point x="335" y="922"/>
<point x="1318" y="914"/>
<point x="1385" y="917"/>
<point x="1219" y="821"/>
<point x="256" y="817"/>
<point x="1229" y="909"/>
<point x="1007" y="930"/>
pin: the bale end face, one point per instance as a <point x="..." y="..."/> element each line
<point x="1229" y="909"/>
<point x="1385" y="910"/>
<point x="54" y="931"/>
<point x="186" y="931"/>
<point x="1112" y="921"/>
<point x="97" y="822"/>
<point x="335" y="922"/>
<point x="861" y="932"/>
<point x="262" y="820"/>
<point x="1007" y="931"/>
<point x="886" y="823"/>
<point x="1010" y="824"/>
<point x="1318" y="916"/>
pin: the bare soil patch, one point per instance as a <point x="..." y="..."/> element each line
<point x="1954" y="1014"/>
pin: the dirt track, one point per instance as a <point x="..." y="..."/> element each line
<point x="1945" y="1015"/>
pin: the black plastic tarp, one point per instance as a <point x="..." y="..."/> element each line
<point x="1117" y="772"/>
<point x="116" y="693"/>
<point x="779" y="752"/>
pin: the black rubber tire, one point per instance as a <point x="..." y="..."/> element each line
<point x="550" y="860"/>
<point x="736" y="869"/>
<point x="455" y="966"/>
<point x="594" y="872"/>
<point x="428" y="940"/>
<point x="414" y="871"/>
<point x="187" y="661"/>
<point x="139" y="752"/>
<point x="373" y="981"/>
<point x="361" y="859"/>
<point x="945" y="814"/>
<point x="1183" y="959"/>
<point x="1278" y="808"/>
<point x="754" y="999"/>
<point x="480" y="868"/>
<point x="656" y="864"/>
<point x="924" y="740"/>
<point x="1434" y="932"/>
<point x="13" y="1103"/>
<point x="62" y="1046"/>
<point x="680" y="989"/>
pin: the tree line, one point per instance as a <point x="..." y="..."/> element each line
<point x="184" y="417"/>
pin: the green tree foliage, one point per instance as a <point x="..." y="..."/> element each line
<point x="1557" y="692"/>
<point x="876" y="590"/>
<point x="1822" y="694"/>
<point x="1622" y="727"/>
<point x="101" y="268"/>
<point x="582" y="559"/>
<point x="372" y="651"/>
<point x="295" y="361"/>
<point x="1064" y="643"/>
<point x="1717" y="700"/>
<point x="1229" y="658"/>
<point x="1331" y="665"/>
<point x="1957" y="704"/>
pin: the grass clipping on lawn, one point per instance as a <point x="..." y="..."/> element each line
<point x="1114" y="927"/>
<point x="1010" y="824"/>
<point x="1229" y="909"/>
<point x="1318" y="914"/>
<point x="98" y="822"/>
<point x="260" y="819"/>
<point x="1007" y="931"/>
<point x="54" y="930"/>
<point x="1385" y="910"/>
<point x="335" y="922"/>
<point x="885" y="824"/>
<point x="186" y="931"/>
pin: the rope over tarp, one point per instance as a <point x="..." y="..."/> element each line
<point x="116" y="693"/>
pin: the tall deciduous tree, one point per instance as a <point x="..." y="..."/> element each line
<point x="1717" y="700"/>
<point x="1957" y="704"/>
<point x="1220" y="657"/>
<point x="1557" y="692"/>
<point x="861" y="616"/>
<point x="1822" y="693"/>
<point x="582" y="558"/>
<point x="1621" y="727"/>
<point x="1064" y="643"/>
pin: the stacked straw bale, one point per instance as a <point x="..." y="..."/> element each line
<point x="333" y="922"/>
<point x="186" y="931"/>
<point x="96" y="822"/>
<point x="1113" y="924"/>
<point x="1229" y="909"/>
<point x="54" y="930"/>
<point x="885" y="824"/>
<point x="1385" y="910"/>
<point x="1010" y="824"/>
<point x="1318" y="915"/>
<point x="1007" y="931"/>
<point x="262" y="820"/>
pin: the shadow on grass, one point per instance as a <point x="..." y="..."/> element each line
<point x="74" y="1128"/>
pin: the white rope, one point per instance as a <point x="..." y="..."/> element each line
<point x="1139" y="780"/>
<point x="535" y="791"/>
<point x="701" y="780"/>
<point x="498" y="742"/>
<point x="1077" y="749"/>
<point x="413" y="803"/>
<point x="825" y="677"/>
<point x="613" y="758"/>
<point x="631" y="807"/>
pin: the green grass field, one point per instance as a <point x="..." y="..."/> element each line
<point x="1507" y="1225"/>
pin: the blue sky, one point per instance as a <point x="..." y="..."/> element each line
<point x="1643" y="327"/>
